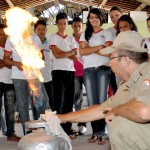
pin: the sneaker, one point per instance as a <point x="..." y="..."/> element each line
<point x="82" y="130"/>
<point x="13" y="138"/>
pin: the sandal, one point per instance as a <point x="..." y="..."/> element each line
<point x="100" y="140"/>
<point x="92" y="139"/>
<point x="72" y="136"/>
<point x="13" y="138"/>
<point x="74" y="131"/>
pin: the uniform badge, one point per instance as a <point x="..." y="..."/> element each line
<point x="146" y="83"/>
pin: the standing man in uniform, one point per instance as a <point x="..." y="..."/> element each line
<point x="129" y="109"/>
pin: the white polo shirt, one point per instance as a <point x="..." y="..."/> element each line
<point x="99" y="38"/>
<point x="113" y="31"/>
<point x="65" y="44"/>
<point x="147" y="40"/>
<point x="46" y="71"/>
<point x="5" y="73"/>
<point x="16" y="73"/>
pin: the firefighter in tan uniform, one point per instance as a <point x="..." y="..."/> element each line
<point x="128" y="111"/>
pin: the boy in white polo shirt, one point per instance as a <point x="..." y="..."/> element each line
<point x="64" y="52"/>
<point x="7" y="90"/>
<point x="77" y="27"/>
<point x="40" y="30"/>
<point x="22" y="76"/>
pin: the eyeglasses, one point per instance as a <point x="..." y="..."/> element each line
<point x="111" y="58"/>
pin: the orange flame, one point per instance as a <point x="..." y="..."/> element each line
<point x="18" y="28"/>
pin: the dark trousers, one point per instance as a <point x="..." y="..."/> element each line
<point x="113" y="83"/>
<point x="7" y="90"/>
<point x="49" y="90"/>
<point x="63" y="94"/>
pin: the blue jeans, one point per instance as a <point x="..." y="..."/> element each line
<point x="96" y="80"/>
<point x="7" y="90"/>
<point x="49" y="90"/>
<point x="23" y="96"/>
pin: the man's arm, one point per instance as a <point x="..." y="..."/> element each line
<point x="61" y="54"/>
<point x="3" y="64"/>
<point x="74" y="56"/>
<point x="85" y="115"/>
<point x="10" y="62"/>
<point x="133" y="110"/>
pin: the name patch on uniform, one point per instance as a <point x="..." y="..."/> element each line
<point x="146" y="83"/>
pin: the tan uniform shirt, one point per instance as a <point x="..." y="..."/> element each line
<point x="138" y="86"/>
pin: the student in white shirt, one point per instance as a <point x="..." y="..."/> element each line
<point x="6" y="90"/>
<point x="64" y="51"/>
<point x="77" y="27"/>
<point x="115" y="13"/>
<point x="23" y="76"/>
<point x="96" y="71"/>
<point x="40" y="30"/>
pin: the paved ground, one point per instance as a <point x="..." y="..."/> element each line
<point x="79" y="144"/>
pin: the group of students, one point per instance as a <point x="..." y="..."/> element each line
<point x="70" y="62"/>
<point x="127" y="112"/>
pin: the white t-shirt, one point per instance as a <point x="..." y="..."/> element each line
<point x="99" y="38"/>
<point x="16" y="73"/>
<point x="5" y="73"/>
<point x="46" y="71"/>
<point x="113" y="32"/>
<point x="147" y="40"/>
<point x="65" y="44"/>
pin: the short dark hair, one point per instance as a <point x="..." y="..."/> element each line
<point x="116" y="8"/>
<point x="39" y="22"/>
<point x="148" y="19"/>
<point x="61" y="15"/>
<point x="77" y="19"/>
<point x="137" y="57"/>
<point x="2" y="26"/>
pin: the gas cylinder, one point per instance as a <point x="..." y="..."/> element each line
<point x="41" y="138"/>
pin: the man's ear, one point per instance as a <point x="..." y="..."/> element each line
<point x="127" y="60"/>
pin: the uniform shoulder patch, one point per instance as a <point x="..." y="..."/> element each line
<point x="146" y="83"/>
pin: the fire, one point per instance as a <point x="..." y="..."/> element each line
<point x="18" y="28"/>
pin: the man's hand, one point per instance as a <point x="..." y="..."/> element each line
<point x="109" y="115"/>
<point x="19" y="65"/>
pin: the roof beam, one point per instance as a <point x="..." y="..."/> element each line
<point x="10" y="3"/>
<point x="140" y="8"/>
<point x="103" y="4"/>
